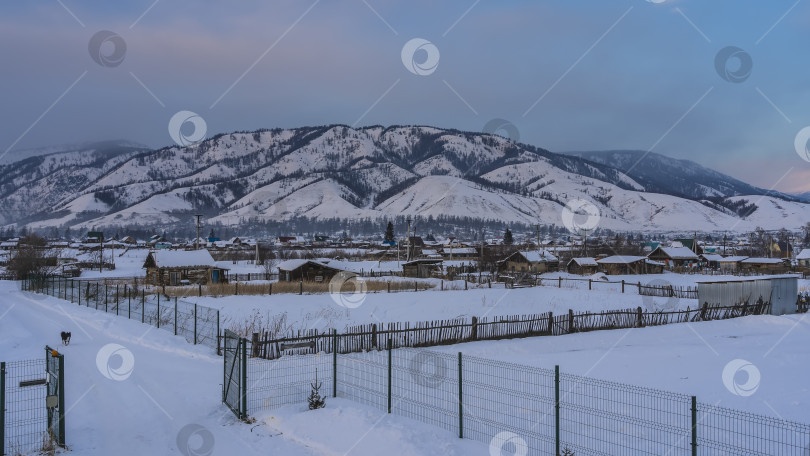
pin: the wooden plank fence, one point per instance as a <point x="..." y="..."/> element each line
<point x="445" y="332"/>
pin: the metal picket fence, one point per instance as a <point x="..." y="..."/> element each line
<point x="536" y="411"/>
<point x="32" y="405"/>
<point x="197" y="324"/>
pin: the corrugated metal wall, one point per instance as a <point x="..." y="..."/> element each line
<point x="781" y="292"/>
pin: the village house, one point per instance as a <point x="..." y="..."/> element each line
<point x="730" y="263"/>
<point x="674" y="257"/>
<point x="626" y="264"/>
<point x="803" y="259"/>
<point x="711" y="260"/>
<point x="535" y="262"/>
<point x="179" y="267"/>
<point x="306" y="270"/>
<point x="582" y="266"/>
<point x="457" y="253"/>
<point x="764" y="265"/>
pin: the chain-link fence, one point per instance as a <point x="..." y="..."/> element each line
<point x="32" y="405"/>
<point x="531" y="410"/>
<point x="197" y="324"/>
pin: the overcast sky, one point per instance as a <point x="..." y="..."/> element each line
<point x="569" y="74"/>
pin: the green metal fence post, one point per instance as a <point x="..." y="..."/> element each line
<point x="460" y="401"/>
<point x="557" y="410"/>
<point x="97" y="293"/>
<point x="175" y="315"/>
<point x="218" y="351"/>
<point x="62" y="411"/>
<point x="334" y="362"/>
<point x="389" y="374"/>
<point x="116" y="299"/>
<point x="158" y="309"/>
<point x="694" y="426"/>
<point x="129" y="303"/>
<point x="195" y="323"/>
<point x="106" y="300"/>
<point x="243" y="388"/>
<point x="143" y="306"/>
<point x="3" y="407"/>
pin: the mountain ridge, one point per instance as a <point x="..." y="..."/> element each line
<point x="335" y="171"/>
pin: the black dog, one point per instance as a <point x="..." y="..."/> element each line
<point x="65" y="337"/>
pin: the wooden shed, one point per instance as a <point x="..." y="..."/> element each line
<point x="422" y="268"/>
<point x="179" y="267"/>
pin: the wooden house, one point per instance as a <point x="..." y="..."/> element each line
<point x="674" y="256"/>
<point x="179" y="267"/>
<point x="730" y="263"/>
<point x="689" y="243"/>
<point x="528" y="261"/>
<point x="627" y="264"/>
<point x="711" y="260"/>
<point x="457" y="253"/>
<point x="582" y="266"/>
<point x="803" y="259"/>
<point x="306" y="270"/>
<point x="764" y="265"/>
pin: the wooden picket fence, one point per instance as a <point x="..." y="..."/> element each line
<point x="445" y="332"/>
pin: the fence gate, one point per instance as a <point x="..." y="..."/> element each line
<point x="32" y="404"/>
<point x="55" y="399"/>
<point x="234" y="383"/>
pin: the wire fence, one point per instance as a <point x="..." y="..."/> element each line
<point x="25" y="425"/>
<point x="32" y="405"/>
<point x="527" y="410"/>
<point x="197" y="324"/>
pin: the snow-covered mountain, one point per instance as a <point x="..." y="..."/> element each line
<point x="373" y="172"/>
<point x="661" y="174"/>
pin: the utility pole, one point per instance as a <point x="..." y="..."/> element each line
<point x="724" y="244"/>
<point x="408" y="254"/>
<point x="585" y="243"/>
<point x="101" y="254"/>
<point x="537" y="231"/>
<point x="197" y="239"/>
<point x="481" y="257"/>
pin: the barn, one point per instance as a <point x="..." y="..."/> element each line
<point x="781" y="291"/>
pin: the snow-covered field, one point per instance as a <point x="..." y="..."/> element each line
<point x="323" y="311"/>
<point x="171" y="386"/>
<point x="174" y="385"/>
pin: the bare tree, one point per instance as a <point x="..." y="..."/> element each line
<point x="32" y="257"/>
